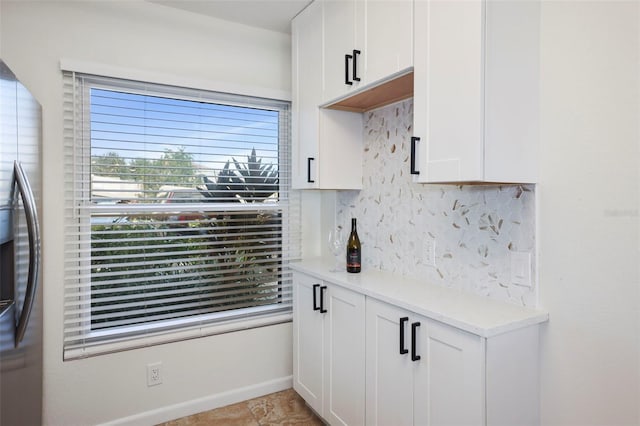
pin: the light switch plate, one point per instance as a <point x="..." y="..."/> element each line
<point x="521" y="268"/>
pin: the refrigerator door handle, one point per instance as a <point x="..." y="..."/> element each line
<point x="33" y="227"/>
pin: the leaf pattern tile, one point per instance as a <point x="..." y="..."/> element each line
<point x="475" y="227"/>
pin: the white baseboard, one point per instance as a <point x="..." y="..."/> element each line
<point x="206" y="403"/>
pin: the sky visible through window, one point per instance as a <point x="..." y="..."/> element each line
<point x="138" y="127"/>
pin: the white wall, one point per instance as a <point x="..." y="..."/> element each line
<point x="588" y="213"/>
<point x="157" y="41"/>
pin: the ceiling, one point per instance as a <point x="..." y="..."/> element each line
<point x="274" y="15"/>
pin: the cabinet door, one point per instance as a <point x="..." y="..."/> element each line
<point x="306" y="31"/>
<point x="451" y="388"/>
<point x="388" y="46"/>
<point x="512" y="88"/>
<point x="327" y="144"/>
<point x="308" y="340"/>
<point x="341" y="23"/>
<point x="339" y="163"/>
<point x="344" y="400"/>
<point x="389" y="373"/>
<point x="448" y="90"/>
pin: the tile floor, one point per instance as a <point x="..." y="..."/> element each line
<point x="277" y="409"/>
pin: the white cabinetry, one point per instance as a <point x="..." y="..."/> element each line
<point x="338" y="48"/>
<point x="397" y="351"/>
<point x="476" y="91"/>
<point x="365" y="42"/>
<point x="327" y="144"/>
<point x="329" y="351"/>
<point x="420" y="372"/>
<point x="392" y="377"/>
<point x="341" y="23"/>
<point x="308" y="341"/>
<point x="388" y="38"/>
<point x="456" y="376"/>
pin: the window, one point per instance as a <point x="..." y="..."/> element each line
<point x="179" y="219"/>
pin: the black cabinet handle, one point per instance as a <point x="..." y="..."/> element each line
<point x="414" y="356"/>
<point x="346" y="70"/>
<point x="403" y="321"/>
<point x="355" y="65"/>
<point x="414" y="139"/>
<point x="322" y="289"/>
<point x="315" y="298"/>
<point x="309" y="160"/>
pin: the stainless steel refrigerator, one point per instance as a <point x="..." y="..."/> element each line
<point x="20" y="289"/>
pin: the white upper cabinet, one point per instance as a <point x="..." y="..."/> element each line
<point x="341" y="51"/>
<point x="339" y="48"/>
<point x="327" y="144"/>
<point x="388" y="41"/>
<point x="476" y="89"/>
<point x="366" y="42"/>
<point x="307" y="91"/>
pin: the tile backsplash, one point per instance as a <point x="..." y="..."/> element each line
<point x="474" y="227"/>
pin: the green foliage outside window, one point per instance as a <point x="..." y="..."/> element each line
<point x="239" y="246"/>
<point x="174" y="167"/>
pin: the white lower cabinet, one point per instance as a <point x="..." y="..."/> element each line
<point x="362" y="361"/>
<point x="392" y="376"/>
<point x="420" y="372"/>
<point x="329" y="351"/>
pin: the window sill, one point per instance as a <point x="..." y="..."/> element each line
<point x="157" y="337"/>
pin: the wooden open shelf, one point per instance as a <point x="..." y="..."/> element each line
<point x="387" y="93"/>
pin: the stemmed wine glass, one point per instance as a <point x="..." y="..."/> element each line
<point x="337" y="246"/>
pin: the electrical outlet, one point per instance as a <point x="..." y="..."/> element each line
<point x="154" y="374"/>
<point x="430" y="251"/>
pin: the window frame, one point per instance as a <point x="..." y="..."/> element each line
<point x="94" y="342"/>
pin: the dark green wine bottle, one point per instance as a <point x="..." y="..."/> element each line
<point x="354" y="253"/>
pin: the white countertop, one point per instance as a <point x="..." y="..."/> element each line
<point x="473" y="313"/>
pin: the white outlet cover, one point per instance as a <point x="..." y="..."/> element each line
<point x="521" y="268"/>
<point x="154" y="374"/>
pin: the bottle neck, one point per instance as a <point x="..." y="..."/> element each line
<point x="353" y="225"/>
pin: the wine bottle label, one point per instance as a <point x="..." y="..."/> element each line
<point x="353" y="259"/>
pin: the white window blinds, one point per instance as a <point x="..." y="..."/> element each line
<point x="178" y="216"/>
